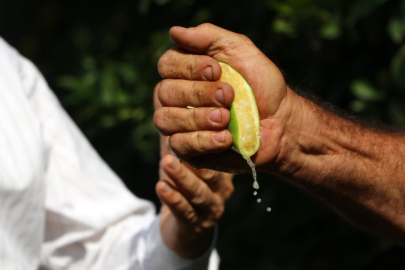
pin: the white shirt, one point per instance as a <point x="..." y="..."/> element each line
<point x="61" y="206"/>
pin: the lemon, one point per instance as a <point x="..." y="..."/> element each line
<point x="245" y="122"/>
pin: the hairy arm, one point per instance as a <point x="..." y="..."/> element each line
<point x="357" y="170"/>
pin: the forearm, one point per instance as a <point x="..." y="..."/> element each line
<point x="357" y="170"/>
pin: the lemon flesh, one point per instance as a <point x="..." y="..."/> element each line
<point x="245" y="122"/>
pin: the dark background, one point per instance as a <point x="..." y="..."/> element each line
<point x="100" y="59"/>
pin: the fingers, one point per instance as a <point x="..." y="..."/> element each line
<point x="183" y="93"/>
<point x="175" y="64"/>
<point x="205" y="38"/>
<point x="196" y="191"/>
<point x="189" y="144"/>
<point x="177" y="203"/>
<point x="172" y="120"/>
<point x="218" y="181"/>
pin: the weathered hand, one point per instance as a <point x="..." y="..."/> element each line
<point x="191" y="73"/>
<point x="193" y="200"/>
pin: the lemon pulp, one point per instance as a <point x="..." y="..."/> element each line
<point x="244" y="124"/>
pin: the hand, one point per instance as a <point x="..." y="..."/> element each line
<point x="193" y="200"/>
<point x="191" y="73"/>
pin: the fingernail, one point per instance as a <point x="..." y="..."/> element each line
<point x="215" y="116"/>
<point x="173" y="164"/>
<point x="219" y="96"/>
<point x="166" y="188"/>
<point x="220" y="136"/>
<point x="208" y="73"/>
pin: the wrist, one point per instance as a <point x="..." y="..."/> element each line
<point x="301" y="136"/>
<point x="185" y="241"/>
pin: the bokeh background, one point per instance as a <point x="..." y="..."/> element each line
<point x="100" y="59"/>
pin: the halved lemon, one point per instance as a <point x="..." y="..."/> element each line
<point x="245" y="122"/>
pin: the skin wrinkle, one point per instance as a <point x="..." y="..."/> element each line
<point x="191" y="121"/>
<point x="197" y="136"/>
<point x="228" y="52"/>
<point x="184" y="95"/>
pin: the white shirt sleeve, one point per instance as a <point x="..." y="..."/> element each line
<point x="92" y="220"/>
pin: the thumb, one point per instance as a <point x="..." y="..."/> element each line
<point x="206" y="39"/>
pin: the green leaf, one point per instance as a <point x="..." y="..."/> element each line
<point x="108" y="86"/>
<point x="283" y="27"/>
<point x="396" y="29"/>
<point x="331" y="29"/>
<point x="363" y="90"/>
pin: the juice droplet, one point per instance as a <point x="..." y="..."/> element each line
<point x="255" y="193"/>
<point x="268" y="209"/>
<point x="259" y="200"/>
<point x="253" y="167"/>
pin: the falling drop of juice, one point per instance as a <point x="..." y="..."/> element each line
<point x="253" y="167"/>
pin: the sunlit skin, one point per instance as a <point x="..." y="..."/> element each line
<point x="192" y="201"/>
<point x="358" y="171"/>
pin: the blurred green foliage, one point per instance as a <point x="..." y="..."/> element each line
<point x="100" y="59"/>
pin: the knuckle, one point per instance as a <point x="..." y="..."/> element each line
<point x="191" y="121"/>
<point x="207" y="175"/>
<point x="162" y="89"/>
<point x="162" y="64"/>
<point x="159" y="120"/>
<point x="196" y="94"/>
<point x="206" y="25"/>
<point x="207" y="224"/>
<point x="200" y="142"/>
<point x="245" y="39"/>
<point x="228" y="191"/>
<point x="218" y="212"/>
<point x="190" y="217"/>
<point x="177" y="203"/>
<point x="199" y="196"/>
<point x="182" y="175"/>
<point x="189" y="63"/>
